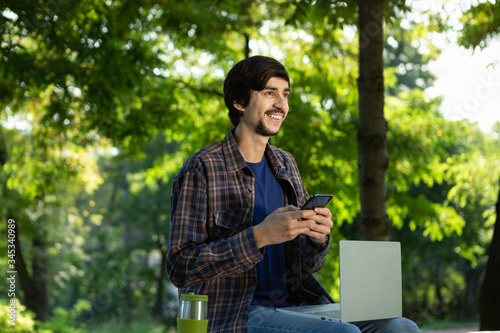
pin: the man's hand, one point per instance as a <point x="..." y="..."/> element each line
<point x="286" y="223"/>
<point x="321" y="229"/>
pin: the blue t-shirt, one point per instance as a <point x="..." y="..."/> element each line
<point x="271" y="287"/>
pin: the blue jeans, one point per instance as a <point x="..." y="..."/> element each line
<point x="263" y="319"/>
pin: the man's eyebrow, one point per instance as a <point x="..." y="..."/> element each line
<point x="275" y="89"/>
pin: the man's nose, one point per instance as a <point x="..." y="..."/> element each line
<point x="281" y="102"/>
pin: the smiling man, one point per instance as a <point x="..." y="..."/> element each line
<point x="237" y="234"/>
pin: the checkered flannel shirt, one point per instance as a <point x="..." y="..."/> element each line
<point x="212" y="250"/>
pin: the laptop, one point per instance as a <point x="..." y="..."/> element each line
<point x="370" y="284"/>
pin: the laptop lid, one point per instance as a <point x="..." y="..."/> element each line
<point x="370" y="280"/>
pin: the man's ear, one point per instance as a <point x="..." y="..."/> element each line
<point x="238" y="107"/>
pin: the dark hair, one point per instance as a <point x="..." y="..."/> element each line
<point x="250" y="74"/>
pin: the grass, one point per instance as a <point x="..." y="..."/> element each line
<point x="136" y="326"/>
<point x="448" y="324"/>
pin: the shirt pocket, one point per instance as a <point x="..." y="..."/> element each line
<point x="232" y="221"/>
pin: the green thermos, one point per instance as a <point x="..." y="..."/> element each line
<point x="193" y="314"/>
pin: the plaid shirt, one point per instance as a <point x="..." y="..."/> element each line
<point x="212" y="249"/>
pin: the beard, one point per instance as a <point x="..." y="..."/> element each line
<point x="261" y="129"/>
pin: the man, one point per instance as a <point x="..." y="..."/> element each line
<point x="237" y="234"/>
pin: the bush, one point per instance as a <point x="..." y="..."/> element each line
<point x="61" y="321"/>
<point x="15" y="318"/>
<point x="65" y="321"/>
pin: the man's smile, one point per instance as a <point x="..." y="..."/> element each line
<point x="276" y="114"/>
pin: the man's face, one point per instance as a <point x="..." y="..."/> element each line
<point x="267" y="108"/>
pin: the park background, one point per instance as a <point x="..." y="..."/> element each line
<point x="102" y="101"/>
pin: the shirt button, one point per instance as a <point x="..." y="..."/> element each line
<point x="250" y="189"/>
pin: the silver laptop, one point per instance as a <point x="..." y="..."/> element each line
<point x="370" y="284"/>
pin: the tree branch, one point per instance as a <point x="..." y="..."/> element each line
<point x="200" y="89"/>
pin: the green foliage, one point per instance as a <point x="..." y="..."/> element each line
<point x="481" y="23"/>
<point x="144" y="324"/>
<point x="405" y="60"/>
<point x="115" y="95"/>
<point x="64" y="321"/>
<point x="23" y="321"/>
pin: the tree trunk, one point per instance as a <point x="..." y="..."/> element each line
<point x="162" y="246"/>
<point x="373" y="160"/>
<point x="247" y="45"/>
<point x="34" y="286"/>
<point x="489" y="303"/>
<point x="158" y="307"/>
<point x="127" y="292"/>
<point x="472" y="278"/>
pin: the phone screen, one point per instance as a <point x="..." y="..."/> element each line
<point x="317" y="200"/>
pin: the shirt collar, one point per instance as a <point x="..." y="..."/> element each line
<point x="235" y="161"/>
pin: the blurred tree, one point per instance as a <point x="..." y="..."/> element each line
<point x="405" y="61"/>
<point x="373" y="160"/>
<point x="481" y="24"/>
<point x="40" y="177"/>
<point x="489" y="305"/>
<point x="372" y="126"/>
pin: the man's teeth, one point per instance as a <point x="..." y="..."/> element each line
<point x="275" y="116"/>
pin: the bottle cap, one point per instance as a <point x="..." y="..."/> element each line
<point x="193" y="297"/>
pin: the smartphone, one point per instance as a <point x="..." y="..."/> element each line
<point x="317" y="200"/>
